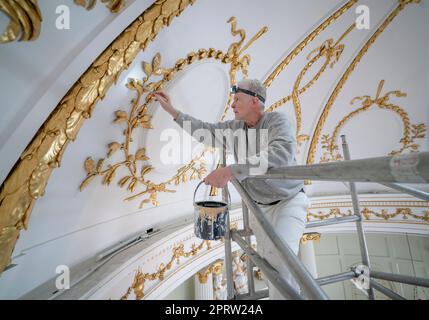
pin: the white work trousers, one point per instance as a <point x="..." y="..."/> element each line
<point x="288" y="218"/>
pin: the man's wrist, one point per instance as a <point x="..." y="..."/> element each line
<point x="239" y="171"/>
<point x="174" y="113"/>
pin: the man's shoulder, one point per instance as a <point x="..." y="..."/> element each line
<point x="276" y="117"/>
<point x="233" y="123"/>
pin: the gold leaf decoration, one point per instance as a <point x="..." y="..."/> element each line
<point x="38" y="180"/>
<point x="147" y="68"/>
<point x="109" y="175"/>
<point x="86" y="182"/>
<point x="131" y="52"/>
<point x="133" y="184"/>
<point x="115" y="64"/>
<point x="123" y="181"/>
<point x="156" y="62"/>
<point x="311" y="36"/>
<point x="138" y="116"/>
<point x="345" y="76"/>
<point x="120" y="116"/>
<point x="143" y="32"/>
<point x="113" y="147"/>
<point x="89" y="165"/>
<point x="45" y="150"/>
<point x="368" y="213"/>
<point x="25" y="20"/>
<point x="99" y="165"/>
<point x="146" y="170"/>
<point x="141" y="154"/>
<point x="140" y="278"/>
<point x="87" y="96"/>
<point x="114" y="6"/>
<point x="410" y="132"/>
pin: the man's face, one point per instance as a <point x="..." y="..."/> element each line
<point x="241" y="105"/>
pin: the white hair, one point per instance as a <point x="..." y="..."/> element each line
<point x="255" y="86"/>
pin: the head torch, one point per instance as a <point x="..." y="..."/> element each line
<point x="235" y="89"/>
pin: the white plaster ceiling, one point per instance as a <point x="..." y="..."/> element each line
<point x="68" y="226"/>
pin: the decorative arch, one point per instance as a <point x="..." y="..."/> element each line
<point x="28" y="179"/>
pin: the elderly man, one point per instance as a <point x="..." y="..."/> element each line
<point x="283" y="201"/>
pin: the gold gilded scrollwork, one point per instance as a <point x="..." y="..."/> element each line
<point x="322" y="119"/>
<point x="234" y="56"/>
<point x="25" y="20"/>
<point x="140" y="278"/>
<point x="215" y="268"/>
<point x="286" y="61"/>
<point x="411" y="132"/>
<point x="28" y="179"/>
<point x="367" y="213"/>
<point x="404" y="212"/>
<point x="331" y="52"/>
<point x="312" y="236"/>
<point x="237" y="63"/>
<point x="114" y="6"/>
<point x="325" y="50"/>
<point x="138" y="117"/>
<point x="332" y="213"/>
<point x="136" y="163"/>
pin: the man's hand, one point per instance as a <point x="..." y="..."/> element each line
<point x="219" y="177"/>
<point x="165" y="102"/>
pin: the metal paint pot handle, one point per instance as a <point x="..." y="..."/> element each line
<point x="195" y="193"/>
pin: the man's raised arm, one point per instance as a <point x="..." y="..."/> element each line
<point x="207" y="135"/>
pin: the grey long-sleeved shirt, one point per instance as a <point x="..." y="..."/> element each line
<point x="280" y="149"/>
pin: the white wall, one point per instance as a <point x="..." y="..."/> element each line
<point x="185" y="291"/>
<point x="388" y="253"/>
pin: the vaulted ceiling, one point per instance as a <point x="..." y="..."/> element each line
<point x="311" y="58"/>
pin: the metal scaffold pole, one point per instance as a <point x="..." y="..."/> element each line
<point x="228" y="248"/>
<point x="411" y="168"/>
<point x="359" y="226"/>
<point x="249" y="263"/>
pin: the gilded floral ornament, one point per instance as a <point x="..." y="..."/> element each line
<point x="140" y="278"/>
<point x="27" y="181"/>
<point x="138" y="117"/>
<point x="343" y="79"/>
<point x="405" y="213"/>
<point x="308" y="39"/>
<point x="329" y="51"/>
<point x="215" y="268"/>
<point x="234" y="56"/>
<point x="411" y="132"/>
<point x="114" y="6"/>
<point x="137" y="163"/>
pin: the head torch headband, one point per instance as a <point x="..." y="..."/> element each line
<point x="235" y="89"/>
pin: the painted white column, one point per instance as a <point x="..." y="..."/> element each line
<point x="308" y="257"/>
<point x="203" y="281"/>
<point x="239" y="275"/>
